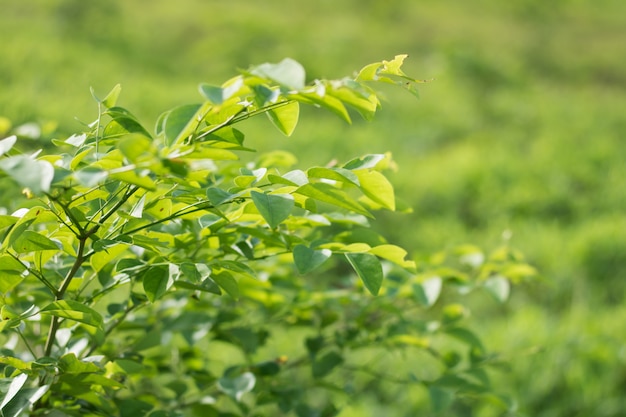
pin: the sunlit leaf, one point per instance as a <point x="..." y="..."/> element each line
<point x="285" y="117"/>
<point x="376" y="187"/>
<point x="335" y="174"/>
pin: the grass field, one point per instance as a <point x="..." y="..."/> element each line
<point x="520" y="133"/>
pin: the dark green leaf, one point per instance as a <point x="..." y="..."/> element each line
<point x="325" y="364"/>
<point x="440" y="398"/>
<point x="368" y="268"/>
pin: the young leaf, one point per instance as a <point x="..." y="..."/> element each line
<point x="273" y="207"/>
<point x="182" y="121"/>
<point x="335" y="174"/>
<point x="285" y="117"/>
<point x="307" y="259"/>
<point x="368" y="268"/>
<point x="111" y="98"/>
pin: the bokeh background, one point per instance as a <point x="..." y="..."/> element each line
<point x="519" y="136"/>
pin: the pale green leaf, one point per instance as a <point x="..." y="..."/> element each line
<point x="288" y="73"/>
<point x="428" y="291"/>
<point x="111" y="98"/>
<point x="182" y="121"/>
<point x="377" y="187"/>
<point x="237" y="386"/>
<point x="365" y="162"/>
<point x="499" y="287"/>
<point x="394" y="254"/>
<point x="6" y="144"/>
<point x="28" y="172"/>
<point x="369" y="269"/>
<point x="285" y="117"/>
<point x="273" y="207"/>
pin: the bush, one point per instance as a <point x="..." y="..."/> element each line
<point x="159" y="275"/>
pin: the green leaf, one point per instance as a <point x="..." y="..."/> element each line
<point x="499" y="287"/>
<point x="131" y="177"/>
<point x="368" y="268"/>
<point x="285" y="117"/>
<point x="157" y="280"/>
<point x="6" y="144"/>
<point x="73" y="310"/>
<point x="237" y="386"/>
<point x="288" y="73"/>
<point x="332" y="195"/>
<point x="325" y="364"/>
<point x="123" y="125"/>
<point x="70" y="364"/>
<point x="307" y="259"/>
<point x="6" y="221"/>
<point x="29" y="241"/>
<point x="375" y="186"/>
<point x="24" y="400"/>
<point x="182" y="121"/>
<point x="28" y="172"/>
<point x="428" y="292"/>
<point x="440" y="398"/>
<point x="273" y="207"/>
<point x="226" y="282"/>
<point x="134" y="146"/>
<point x="218" y="196"/>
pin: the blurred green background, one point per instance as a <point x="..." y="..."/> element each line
<point x="519" y="136"/>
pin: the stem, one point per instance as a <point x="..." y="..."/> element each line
<point x="19" y="332"/>
<point x="112" y="211"/>
<point x="54" y="324"/>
